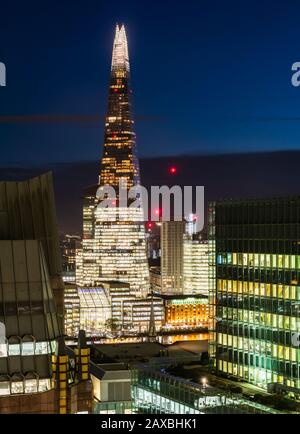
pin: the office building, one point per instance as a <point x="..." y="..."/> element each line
<point x="155" y="279"/>
<point x="68" y="247"/>
<point x="195" y="265"/>
<point x="254" y="268"/>
<point x="156" y="392"/>
<point x="172" y="256"/>
<point x="186" y="311"/>
<point x="114" y="243"/>
<point x="28" y="213"/>
<point x="95" y="310"/>
<point x="31" y="306"/>
<point x="111" y="308"/>
<point x="72" y="310"/>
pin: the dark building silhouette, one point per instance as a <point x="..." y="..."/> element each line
<point x="31" y="307"/>
<point x="27" y="212"/>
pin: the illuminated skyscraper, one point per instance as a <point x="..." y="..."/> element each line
<point x="254" y="261"/>
<point x="172" y="255"/>
<point x="114" y="244"/>
<point x="195" y="265"/>
<point x="119" y="159"/>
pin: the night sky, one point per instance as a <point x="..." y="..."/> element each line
<point x="208" y="76"/>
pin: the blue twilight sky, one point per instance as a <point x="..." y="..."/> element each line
<point x="208" y="76"/>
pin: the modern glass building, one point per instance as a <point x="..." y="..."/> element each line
<point x="195" y="265"/>
<point x="155" y="392"/>
<point x="254" y="268"/>
<point x="171" y="239"/>
<point x="109" y="308"/>
<point x="114" y="241"/>
<point x="31" y="305"/>
<point x="72" y="309"/>
<point x="95" y="310"/>
<point x="68" y="246"/>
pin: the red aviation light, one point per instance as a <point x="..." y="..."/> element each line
<point x="173" y="170"/>
<point x="156" y="213"/>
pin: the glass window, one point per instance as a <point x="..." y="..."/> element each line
<point x="3" y="350"/>
<point x="31" y="386"/>
<point x="41" y="348"/>
<point x="4" y="388"/>
<point x="27" y="348"/>
<point x="44" y="385"/>
<point x="14" y="349"/>
<point x="287" y="261"/>
<point x="293" y="261"/>
<point x="17" y="387"/>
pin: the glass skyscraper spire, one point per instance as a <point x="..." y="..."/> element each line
<point x="119" y="157"/>
<point x="114" y="243"/>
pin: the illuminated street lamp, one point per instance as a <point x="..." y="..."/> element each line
<point x="204" y="382"/>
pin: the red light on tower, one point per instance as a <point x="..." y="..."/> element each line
<point x="156" y="214"/>
<point x="173" y="170"/>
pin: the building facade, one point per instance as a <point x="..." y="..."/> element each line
<point x="31" y="306"/>
<point x="186" y="311"/>
<point x="254" y="267"/>
<point x="72" y="310"/>
<point x="114" y="242"/>
<point x="155" y="392"/>
<point x="68" y="247"/>
<point x="172" y="233"/>
<point x="195" y="265"/>
<point x="112" y="388"/>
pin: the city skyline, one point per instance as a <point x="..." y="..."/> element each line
<point x="180" y="292"/>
